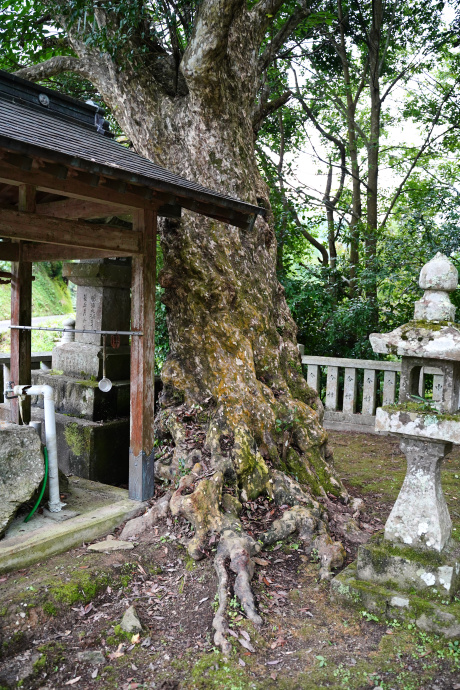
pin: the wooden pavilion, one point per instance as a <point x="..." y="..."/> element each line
<point x="59" y="169"/>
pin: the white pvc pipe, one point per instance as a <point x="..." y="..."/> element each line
<point x="54" y="503"/>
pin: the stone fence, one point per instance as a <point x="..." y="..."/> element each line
<point x="351" y="389"/>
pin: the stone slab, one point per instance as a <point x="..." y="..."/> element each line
<point x="425" y="425"/>
<point x="343" y="421"/>
<point x="384" y="563"/>
<point x="388" y="604"/>
<point x="103" y="508"/>
<point x="420" y="339"/>
<point x="82" y="398"/>
<point x="83" y="361"/>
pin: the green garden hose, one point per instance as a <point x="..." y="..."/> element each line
<point x="45" y="479"/>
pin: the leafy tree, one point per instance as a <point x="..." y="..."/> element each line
<point x="369" y="69"/>
<point x="190" y="84"/>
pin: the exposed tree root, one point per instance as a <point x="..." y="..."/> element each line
<point x="228" y="454"/>
<point x="214" y="516"/>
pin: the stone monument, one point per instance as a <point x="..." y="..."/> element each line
<point x="93" y="426"/>
<point x="413" y="570"/>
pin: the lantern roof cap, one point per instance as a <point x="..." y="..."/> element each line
<point x="432" y="334"/>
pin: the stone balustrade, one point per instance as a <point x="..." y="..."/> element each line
<point x="351" y="389"/>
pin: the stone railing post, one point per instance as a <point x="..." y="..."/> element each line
<point x="389" y="387"/>
<point x="350" y="390"/>
<point x="369" y="391"/>
<point x="332" y="388"/>
<point x="313" y="377"/>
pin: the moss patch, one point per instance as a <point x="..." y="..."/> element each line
<point x="78" y="438"/>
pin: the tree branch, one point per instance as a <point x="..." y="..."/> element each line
<point x="422" y="149"/>
<point x="264" y="109"/>
<point x="208" y="46"/>
<point x="53" y="66"/>
<point x="283" y="34"/>
<point x="263" y="12"/>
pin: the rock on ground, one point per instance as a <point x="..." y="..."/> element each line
<point x="91" y="656"/>
<point x="130" y="622"/>
<point x="22" y="469"/>
<point x="111" y="545"/>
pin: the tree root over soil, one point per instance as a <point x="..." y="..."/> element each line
<point x="207" y="496"/>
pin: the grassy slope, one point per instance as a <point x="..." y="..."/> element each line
<point x="49" y="296"/>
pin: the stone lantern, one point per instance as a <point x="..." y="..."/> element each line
<point x="413" y="570"/>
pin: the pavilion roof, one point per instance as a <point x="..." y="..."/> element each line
<point x="43" y="123"/>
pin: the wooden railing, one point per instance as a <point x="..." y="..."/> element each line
<point x="351" y="389"/>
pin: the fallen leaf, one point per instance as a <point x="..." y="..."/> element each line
<point x="202" y="600"/>
<point x="272" y="663"/>
<point x="273" y="675"/>
<point x="245" y="635"/>
<point x="247" y="645"/>
<point x="260" y="561"/>
<point x="94" y="673"/>
<point x="73" y="680"/>
<point x="3" y="579"/>
<point x="135" y="639"/>
<point x="241" y="662"/>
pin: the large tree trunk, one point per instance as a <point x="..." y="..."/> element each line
<point x="233" y="379"/>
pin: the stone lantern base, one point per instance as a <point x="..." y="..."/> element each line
<point x="399" y="582"/>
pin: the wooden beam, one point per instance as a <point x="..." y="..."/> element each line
<point x="141" y="451"/>
<point x="72" y="233"/>
<point x="21" y="315"/>
<point x="77" y="184"/>
<point x="77" y="208"/>
<point x="9" y="251"/>
<point x="35" y="251"/>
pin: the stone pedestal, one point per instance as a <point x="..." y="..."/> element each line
<point x="397" y="582"/>
<point x="420" y="517"/>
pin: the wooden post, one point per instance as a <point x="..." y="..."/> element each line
<point x="332" y="388"/>
<point x="141" y="451"/>
<point x="21" y="315"/>
<point x="350" y="390"/>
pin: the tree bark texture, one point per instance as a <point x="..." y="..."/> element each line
<point x="233" y="379"/>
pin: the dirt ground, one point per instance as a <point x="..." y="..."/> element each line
<point x="59" y="620"/>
